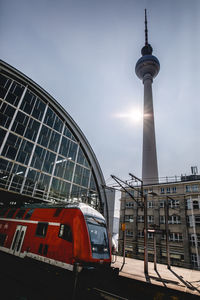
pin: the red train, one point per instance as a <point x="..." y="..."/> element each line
<point x="60" y="235"/>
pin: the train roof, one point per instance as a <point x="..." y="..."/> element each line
<point x="85" y="208"/>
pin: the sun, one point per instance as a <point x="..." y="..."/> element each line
<point x="133" y="116"/>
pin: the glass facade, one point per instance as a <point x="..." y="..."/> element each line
<point x="40" y="154"/>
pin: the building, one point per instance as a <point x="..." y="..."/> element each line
<point x="147" y="68"/>
<point x="177" y="201"/>
<point x="44" y="155"/>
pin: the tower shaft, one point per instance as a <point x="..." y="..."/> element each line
<point x="147" y="68"/>
<point x="149" y="155"/>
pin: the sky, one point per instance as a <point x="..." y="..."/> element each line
<point x="83" y="53"/>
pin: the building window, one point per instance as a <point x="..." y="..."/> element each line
<point x="150" y="219"/>
<point x="129" y="204"/>
<point x="195" y="188"/>
<point x="162" y="190"/>
<point x="41" y="229"/>
<point x="129" y="233"/>
<point x="162" y="204"/>
<point x="140" y="219"/>
<point x="140" y="233"/>
<point x="173" y="203"/>
<point x="162" y="219"/>
<point x="129" y="218"/>
<point x="190" y="221"/>
<point x="174" y="219"/>
<point x="150" y="235"/>
<point x="195" y="240"/>
<point x="65" y="232"/>
<point x="168" y="190"/>
<point x="197" y="220"/>
<point x="196" y="204"/>
<point x="189" y="203"/>
<point x="174" y="189"/>
<point x="188" y="188"/>
<point x="194" y="260"/>
<point x="150" y="204"/>
<point x="176" y="237"/>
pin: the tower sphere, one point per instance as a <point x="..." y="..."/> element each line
<point x="147" y="64"/>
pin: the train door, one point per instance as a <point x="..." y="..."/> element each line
<point x="18" y="240"/>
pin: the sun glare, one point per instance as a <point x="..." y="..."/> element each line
<point x="133" y="116"/>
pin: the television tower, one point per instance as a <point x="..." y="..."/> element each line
<point x="147" y="67"/>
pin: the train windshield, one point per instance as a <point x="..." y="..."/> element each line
<point x="98" y="238"/>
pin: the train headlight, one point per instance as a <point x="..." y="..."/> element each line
<point x="94" y="249"/>
<point x="105" y="249"/>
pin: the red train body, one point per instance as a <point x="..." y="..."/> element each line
<point x="57" y="235"/>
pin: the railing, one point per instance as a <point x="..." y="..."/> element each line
<point x="17" y="183"/>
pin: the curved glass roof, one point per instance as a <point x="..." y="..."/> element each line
<point x="43" y="153"/>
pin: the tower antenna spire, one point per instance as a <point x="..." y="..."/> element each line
<point x="146" y="30"/>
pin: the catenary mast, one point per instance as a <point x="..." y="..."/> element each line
<point x="147" y="67"/>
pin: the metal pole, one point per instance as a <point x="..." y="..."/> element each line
<point x="75" y="280"/>
<point x="154" y="246"/>
<point x="124" y="240"/>
<point x="167" y="232"/>
<point x="145" y="236"/>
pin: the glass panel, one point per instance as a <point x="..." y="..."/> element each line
<point x="32" y="129"/>
<point x="5" y="165"/>
<point x="58" y="125"/>
<point x="60" y="188"/>
<point x="44" y="136"/>
<point x="17" y="177"/>
<point x="64" y="147"/>
<point x="72" y="151"/>
<point x="38" y="157"/>
<point x="92" y="183"/>
<point x="50" y="117"/>
<point x="64" y="168"/>
<point x="20" y="123"/>
<point x="81" y="176"/>
<point x="78" y="193"/>
<point x="81" y="158"/>
<point x="14" y="94"/>
<point x="52" y="120"/>
<point x="4" y="85"/>
<point x="11" y="147"/>
<point x="24" y="152"/>
<point x="49" y="162"/>
<point x="43" y="182"/>
<point x="6" y="115"/>
<point x="68" y="133"/>
<point x="38" y="110"/>
<point x="31" y="182"/>
<point x="2" y="135"/>
<point x="54" y="141"/>
<point x="28" y="102"/>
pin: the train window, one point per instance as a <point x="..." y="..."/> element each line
<point x="2" y="238"/>
<point x="65" y="232"/>
<point x="3" y="212"/>
<point x="45" y="250"/>
<point x="40" y="248"/>
<point x="29" y="214"/>
<point x="57" y="212"/>
<point x="20" y="214"/>
<point x="11" y="213"/>
<point x="41" y="229"/>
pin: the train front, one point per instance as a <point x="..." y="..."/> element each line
<point x="95" y="248"/>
